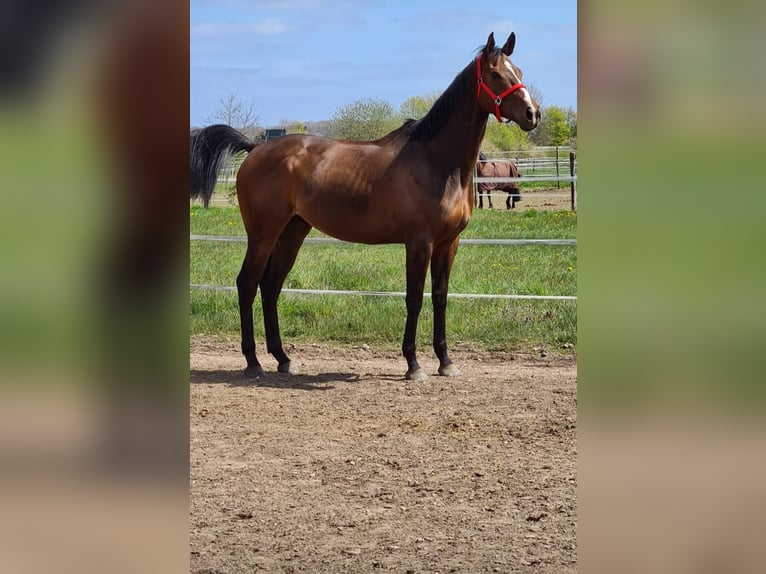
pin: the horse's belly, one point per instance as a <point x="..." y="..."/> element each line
<point x="359" y="235"/>
<point x="351" y="220"/>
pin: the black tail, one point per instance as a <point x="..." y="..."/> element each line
<point x="208" y="148"/>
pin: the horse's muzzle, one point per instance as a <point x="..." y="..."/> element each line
<point x="533" y="116"/>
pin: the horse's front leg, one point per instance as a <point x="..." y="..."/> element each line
<point x="441" y="266"/>
<point x="418" y="256"/>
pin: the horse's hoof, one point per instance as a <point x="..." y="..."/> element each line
<point x="288" y="367"/>
<point x="416" y="375"/>
<point x="449" y="370"/>
<point x="255" y="372"/>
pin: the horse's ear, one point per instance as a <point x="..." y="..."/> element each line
<point x="510" y="43"/>
<point x="490" y="45"/>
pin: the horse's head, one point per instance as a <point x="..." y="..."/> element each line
<point x="500" y="91"/>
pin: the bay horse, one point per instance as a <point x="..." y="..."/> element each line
<point x="486" y="168"/>
<point x="412" y="186"/>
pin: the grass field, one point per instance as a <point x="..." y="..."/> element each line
<point x="493" y="324"/>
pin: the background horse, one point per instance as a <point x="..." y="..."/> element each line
<point x="413" y="186"/>
<point x="498" y="169"/>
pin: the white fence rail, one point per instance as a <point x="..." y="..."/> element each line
<point x="562" y="179"/>
<point x="506" y="296"/>
<point x="243" y="239"/>
<point x="532" y="163"/>
<point x="393" y="293"/>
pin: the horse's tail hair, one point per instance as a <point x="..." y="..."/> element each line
<point x="208" y="149"/>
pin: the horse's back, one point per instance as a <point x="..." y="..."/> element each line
<point x="356" y="191"/>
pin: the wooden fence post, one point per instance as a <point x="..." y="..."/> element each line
<point x="572" y="157"/>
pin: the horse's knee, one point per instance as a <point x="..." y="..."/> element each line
<point x="245" y="280"/>
<point x="245" y="290"/>
<point x="414" y="304"/>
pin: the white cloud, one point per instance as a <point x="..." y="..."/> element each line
<point x="206" y="29"/>
<point x="269" y="26"/>
<point x="211" y="29"/>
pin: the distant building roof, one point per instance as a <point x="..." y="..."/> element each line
<point x="272" y="133"/>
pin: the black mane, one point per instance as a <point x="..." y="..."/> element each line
<point x="431" y="124"/>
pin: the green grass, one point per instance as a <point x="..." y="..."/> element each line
<point x="549" y="270"/>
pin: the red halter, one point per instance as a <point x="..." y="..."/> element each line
<point x="497" y="98"/>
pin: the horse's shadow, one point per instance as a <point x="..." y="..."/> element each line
<point x="274" y="380"/>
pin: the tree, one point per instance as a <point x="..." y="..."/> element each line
<point x="238" y="114"/>
<point x="504" y="137"/>
<point x="416" y="107"/>
<point x="536" y="94"/>
<point x="294" y="126"/>
<point x="571" y="116"/>
<point x="318" y="128"/>
<point x="553" y="129"/>
<point x="558" y="126"/>
<point x="365" y="119"/>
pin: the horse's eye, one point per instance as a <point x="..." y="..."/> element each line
<point x="495" y="75"/>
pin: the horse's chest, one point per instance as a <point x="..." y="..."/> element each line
<point x="456" y="210"/>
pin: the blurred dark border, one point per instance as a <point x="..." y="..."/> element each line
<point x="94" y="126"/>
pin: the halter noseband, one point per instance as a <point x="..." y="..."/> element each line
<point x="498" y="99"/>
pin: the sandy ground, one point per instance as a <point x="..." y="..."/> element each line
<point x="532" y="200"/>
<point x="350" y="468"/>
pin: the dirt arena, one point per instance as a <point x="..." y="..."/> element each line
<point x="350" y="468"/>
<point x="541" y="201"/>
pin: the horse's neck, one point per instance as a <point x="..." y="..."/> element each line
<point x="457" y="145"/>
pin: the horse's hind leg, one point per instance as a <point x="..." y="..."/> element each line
<point x="441" y="266"/>
<point x="281" y="261"/>
<point x="513" y="197"/>
<point x="247" y="285"/>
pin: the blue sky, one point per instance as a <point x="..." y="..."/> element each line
<point x="302" y="59"/>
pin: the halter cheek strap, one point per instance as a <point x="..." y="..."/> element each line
<point x="498" y="99"/>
